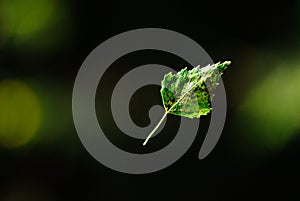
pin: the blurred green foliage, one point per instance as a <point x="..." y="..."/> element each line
<point x="20" y="114"/>
<point x="269" y="113"/>
<point x="33" y="23"/>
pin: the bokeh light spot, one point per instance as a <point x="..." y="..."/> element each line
<point x="33" y="23"/>
<point x="24" y="18"/>
<point x="271" y="110"/>
<point x="20" y="113"/>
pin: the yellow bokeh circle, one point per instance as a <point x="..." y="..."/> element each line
<point x="20" y="113"/>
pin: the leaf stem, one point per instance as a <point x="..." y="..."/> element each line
<point x="156" y="127"/>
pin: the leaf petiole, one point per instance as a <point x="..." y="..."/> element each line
<point x="156" y="127"/>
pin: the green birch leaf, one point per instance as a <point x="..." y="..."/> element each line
<point x="187" y="92"/>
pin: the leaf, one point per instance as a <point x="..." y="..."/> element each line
<point x="187" y="92"/>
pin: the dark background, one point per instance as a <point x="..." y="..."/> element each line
<point x="42" y="46"/>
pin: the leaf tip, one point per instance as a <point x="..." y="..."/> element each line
<point x="227" y="62"/>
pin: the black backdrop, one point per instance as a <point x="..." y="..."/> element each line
<point x="59" y="168"/>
